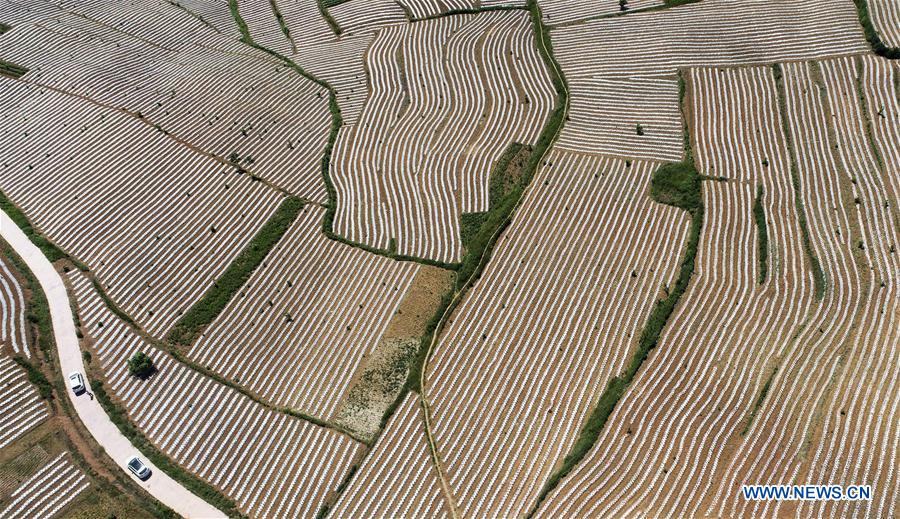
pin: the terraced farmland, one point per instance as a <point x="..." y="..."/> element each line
<point x="834" y="402"/>
<point x="269" y="463"/>
<point x="302" y="325"/>
<point x="554" y="316"/>
<point x="316" y="219"/>
<point x="21" y="406"/>
<point x="695" y="393"/>
<point x="12" y="311"/>
<point x="434" y="123"/>
<point x="624" y="88"/>
<point x="54" y="486"/>
<point x="100" y="203"/>
<point x="397" y="479"/>
<point x="267" y="119"/>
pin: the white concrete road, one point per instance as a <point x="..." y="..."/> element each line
<point x="159" y="485"/>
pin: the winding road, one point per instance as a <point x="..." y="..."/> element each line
<point x="92" y="415"/>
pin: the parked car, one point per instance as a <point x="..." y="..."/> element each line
<point x="137" y="467"/>
<point x="76" y="382"/>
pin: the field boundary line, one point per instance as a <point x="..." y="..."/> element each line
<point x="562" y="89"/>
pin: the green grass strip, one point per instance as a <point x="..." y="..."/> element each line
<point x="239" y="21"/>
<point x="36" y="377"/>
<point x="4" y="28"/>
<point x="12" y="70"/>
<point x="818" y="273"/>
<point x="323" y="10"/>
<point x="191" y="482"/>
<point x="762" y="242"/>
<point x="676" y="184"/>
<point x="759" y="401"/>
<point x="874" y="39"/>
<point x="191" y="324"/>
<point x="48" y="248"/>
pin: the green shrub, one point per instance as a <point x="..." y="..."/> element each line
<point x="36" y="377"/>
<point x="759" y="216"/>
<point x="677" y="184"/>
<point x="141" y="365"/>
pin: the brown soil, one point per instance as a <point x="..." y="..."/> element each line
<point x="383" y="372"/>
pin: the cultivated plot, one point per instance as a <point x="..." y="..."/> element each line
<point x="886" y="19"/>
<point x="622" y="70"/>
<point x="666" y="442"/>
<point x="98" y="183"/>
<point x="205" y="89"/>
<point x="556" y="314"/>
<point x="397" y="478"/>
<point x="560" y="12"/>
<point x="21" y="406"/>
<point x="448" y="97"/>
<point x="299" y="329"/>
<point x="54" y="486"/>
<point x="831" y="413"/>
<point x="12" y="311"/>
<point x="268" y="463"/>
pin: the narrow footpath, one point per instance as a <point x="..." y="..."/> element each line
<point x="95" y="420"/>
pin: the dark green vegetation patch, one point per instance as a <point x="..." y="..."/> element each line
<point x="12" y="70"/>
<point x="762" y="234"/>
<point x="191" y="324"/>
<point x="877" y="44"/>
<point x="677" y="184"/>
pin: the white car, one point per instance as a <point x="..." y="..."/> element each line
<point x="76" y="382"/>
<point x="137" y="467"/>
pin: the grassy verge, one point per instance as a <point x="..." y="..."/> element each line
<point x="202" y="489"/>
<point x="48" y="248"/>
<point x="12" y="70"/>
<point x="323" y="10"/>
<point x="759" y="401"/>
<point x="875" y="41"/>
<point x="762" y="242"/>
<point x="818" y="274"/>
<point x="113" y="307"/>
<point x="239" y="21"/>
<point x="36" y="377"/>
<point x="673" y="184"/>
<point x="191" y="324"/>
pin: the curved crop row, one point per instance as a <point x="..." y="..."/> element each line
<point x="206" y="90"/>
<point x="102" y="196"/>
<point x="51" y="488"/>
<point x="622" y="69"/>
<point x="885" y="21"/>
<point x="397" y="478"/>
<point x="555" y="315"/>
<point x="21" y="407"/>
<point x="448" y="96"/>
<point x="270" y="464"/>
<point x="302" y="324"/>
<point x="831" y="411"/>
<point x="12" y="311"/>
<point x="663" y="446"/>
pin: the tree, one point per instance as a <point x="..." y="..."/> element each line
<point x="141" y="365"/>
